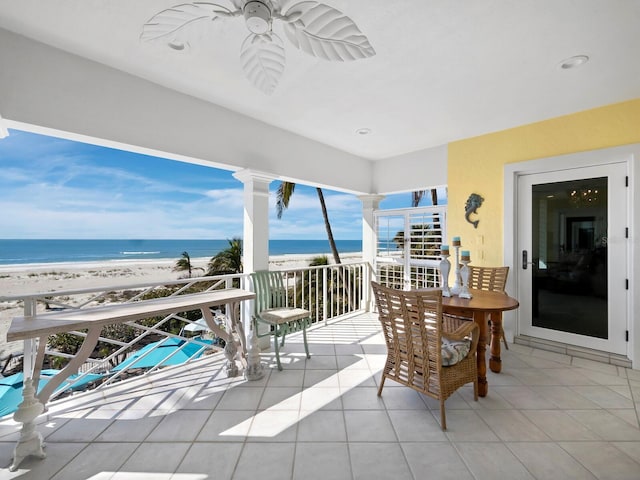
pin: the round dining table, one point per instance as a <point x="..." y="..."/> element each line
<point x="483" y="305"/>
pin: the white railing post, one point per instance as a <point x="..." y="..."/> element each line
<point x="246" y="308"/>
<point x="31" y="344"/>
<point x="325" y="295"/>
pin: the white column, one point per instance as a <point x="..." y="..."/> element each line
<point x="370" y="204"/>
<point x="255" y="236"/>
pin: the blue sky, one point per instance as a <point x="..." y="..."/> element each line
<point x="57" y="188"/>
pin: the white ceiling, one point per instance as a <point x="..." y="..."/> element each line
<point x="443" y="70"/>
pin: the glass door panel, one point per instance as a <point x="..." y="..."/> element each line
<point x="569" y="251"/>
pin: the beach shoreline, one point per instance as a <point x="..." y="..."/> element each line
<point x="25" y="279"/>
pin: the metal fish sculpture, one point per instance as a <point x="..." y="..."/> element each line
<point x="473" y="203"/>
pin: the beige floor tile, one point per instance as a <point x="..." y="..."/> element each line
<point x="362" y="398"/>
<point x="286" y="378"/>
<point x="492" y="460"/>
<point x="378" y="461"/>
<point x="558" y="425"/>
<point x="212" y="460"/>
<point x="321" y="398"/>
<point x="630" y="448"/>
<point x="129" y="430"/>
<point x="548" y="461"/>
<point x="58" y="456"/>
<point x="322" y="426"/>
<point x="274" y="426"/>
<point x="181" y="426"/>
<point x="512" y="426"/>
<point x="604" y="424"/>
<point x="368" y="426"/>
<point x="247" y="398"/>
<point x="522" y="396"/>
<point x="437" y="460"/>
<point x="416" y="426"/>
<point x="95" y="459"/>
<point x="266" y="461"/>
<point x="401" y="398"/>
<point x="562" y="397"/>
<point x="594" y="366"/>
<point x="629" y="415"/>
<point x="281" y="398"/>
<point x="321" y="378"/>
<point x="604" y="460"/>
<point x="322" y="461"/>
<point x="160" y="458"/>
<point x="604" y="397"/>
<point x="226" y="426"/>
<point x="467" y="425"/>
<point x="322" y="362"/>
<point x="79" y="430"/>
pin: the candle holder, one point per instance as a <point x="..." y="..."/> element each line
<point x="445" y="268"/>
<point x="464" y="275"/>
<point x="455" y="289"/>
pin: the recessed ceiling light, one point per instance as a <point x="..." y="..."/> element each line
<point x="178" y="46"/>
<point x="573" y="62"/>
<point x="363" y="131"/>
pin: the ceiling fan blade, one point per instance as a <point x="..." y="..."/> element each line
<point x="323" y="31"/>
<point x="173" y="24"/>
<point x="263" y="60"/>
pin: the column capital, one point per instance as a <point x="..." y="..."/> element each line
<point x="371" y="200"/>
<point x="246" y="175"/>
<point x="4" y="132"/>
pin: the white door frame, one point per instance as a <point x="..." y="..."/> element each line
<point x="629" y="154"/>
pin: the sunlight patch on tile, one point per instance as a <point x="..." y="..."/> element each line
<point x="326" y="387"/>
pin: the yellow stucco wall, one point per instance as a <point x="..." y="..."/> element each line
<point x="475" y="165"/>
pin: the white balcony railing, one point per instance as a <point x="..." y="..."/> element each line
<point x="328" y="292"/>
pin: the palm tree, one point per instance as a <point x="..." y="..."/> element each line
<point x="183" y="264"/>
<point x="227" y="261"/>
<point x="285" y="190"/>
<point x="418" y="195"/>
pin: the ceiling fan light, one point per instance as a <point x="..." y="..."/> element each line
<point x="258" y="17"/>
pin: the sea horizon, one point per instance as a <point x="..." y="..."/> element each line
<point x="21" y="252"/>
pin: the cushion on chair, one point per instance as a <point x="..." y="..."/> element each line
<point x="453" y="351"/>
<point x="284" y="315"/>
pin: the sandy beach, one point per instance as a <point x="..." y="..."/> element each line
<point x="26" y="279"/>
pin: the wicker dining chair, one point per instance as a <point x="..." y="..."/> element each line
<point x="493" y="279"/>
<point x="420" y="340"/>
<point x="271" y="307"/>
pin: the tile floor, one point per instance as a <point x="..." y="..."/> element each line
<point x="547" y="416"/>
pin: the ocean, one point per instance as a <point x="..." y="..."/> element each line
<point x="20" y="252"/>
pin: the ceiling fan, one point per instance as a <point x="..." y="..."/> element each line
<point x="313" y="27"/>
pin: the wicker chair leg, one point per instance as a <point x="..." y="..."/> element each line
<point x="475" y="389"/>
<point x="381" y="385"/>
<point x="443" y="416"/>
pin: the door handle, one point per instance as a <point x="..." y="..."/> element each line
<point x="524" y="260"/>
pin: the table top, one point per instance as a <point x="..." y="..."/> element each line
<point x="49" y="323"/>
<point x="482" y="300"/>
